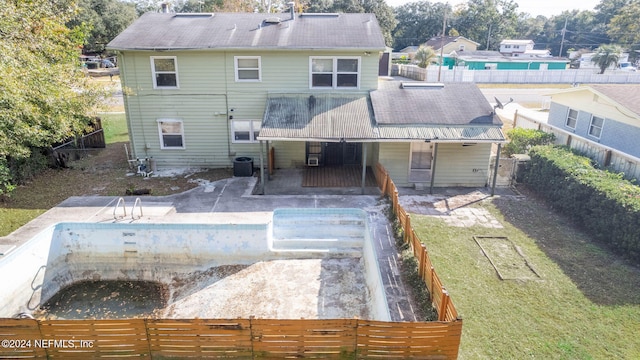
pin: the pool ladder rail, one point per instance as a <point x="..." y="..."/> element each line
<point x="121" y="203"/>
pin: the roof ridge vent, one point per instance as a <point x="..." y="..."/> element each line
<point x="421" y="85"/>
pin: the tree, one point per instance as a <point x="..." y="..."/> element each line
<point x="606" y="56"/>
<point x="418" y="22"/>
<point x="105" y="18"/>
<point x="624" y="28"/>
<point x="45" y="97"/>
<point x="425" y="56"/>
<point x="487" y="21"/>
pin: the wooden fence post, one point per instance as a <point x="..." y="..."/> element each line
<point x="422" y="260"/>
<point x="407" y="230"/>
<point x="442" y="312"/>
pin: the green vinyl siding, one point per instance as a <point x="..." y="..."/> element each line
<point x="289" y="154"/>
<point x="459" y="165"/>
<point x="395" y="158"/>
<point x="208" y="97"/>
<point x="454" y="165"/>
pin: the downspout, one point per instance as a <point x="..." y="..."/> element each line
<point x="226" y="104"/>
<point x="495" y="170"/>
<point x="262" y="177"/>
<point x="433" y="167"/>
<point x="125" y="99"/>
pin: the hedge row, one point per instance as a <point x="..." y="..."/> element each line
<point x="601" y="202"/>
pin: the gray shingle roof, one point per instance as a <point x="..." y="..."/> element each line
<point x="387" y="114"/>
<point x="161" y="31"/>
<point x="450" y="104"/>
<point x="625" y="95"/>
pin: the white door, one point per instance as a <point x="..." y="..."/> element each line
<point x="420" y="162"/>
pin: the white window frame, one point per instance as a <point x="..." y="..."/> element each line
<point x="568" y="117"/>
<point x="254" y="127"/>
<point x="237" y="68"/>
<point x="335" y="72"/>
<point x="154" y="72"/>
<point x="592" y="126"/>
<point x="161" y="135"/>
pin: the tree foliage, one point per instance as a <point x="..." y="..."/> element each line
<point x="105" y="19"/>
<point x="418" y="22"/>
<point x="606" y="56"/>
<point x="624" y="27"/>
<point x="487" y="21"/>
<point x="425" y="56"/>
<point x="44" y="95"/>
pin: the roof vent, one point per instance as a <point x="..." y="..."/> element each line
<point x="421" y="85"/>
<point x="273" y="20"/>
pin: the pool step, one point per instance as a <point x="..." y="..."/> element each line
<point x="319" y="231"/>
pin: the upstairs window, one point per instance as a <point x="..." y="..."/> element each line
<point x="595" y="128"/>
<point x="171" y="134"/>
<point x="572" y="119"/>
<point x="248" y="68"/>
<point x="165" y="72"/>
<point x="333" y="72"/>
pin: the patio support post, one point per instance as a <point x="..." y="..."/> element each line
<point x="433" y="167"/>
<point x="495" y="170"/>
<point x="266" y="151"/>
<point x="364" y="166"/>
<point x="262" y="177"/>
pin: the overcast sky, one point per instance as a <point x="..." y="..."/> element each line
<point x="533" y="7"/>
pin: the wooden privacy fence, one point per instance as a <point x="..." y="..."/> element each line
<point x="439" y="295"/>
<point x="227" y="338"/>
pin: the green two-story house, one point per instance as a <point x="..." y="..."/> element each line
<point x="201" y="90"/>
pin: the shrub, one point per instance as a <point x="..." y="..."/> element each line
<point x="6" y="185"/>
<point x="521" y="140"/>
<point x="602" y="202"/>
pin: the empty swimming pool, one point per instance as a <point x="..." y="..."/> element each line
<point x="311" y="263"/>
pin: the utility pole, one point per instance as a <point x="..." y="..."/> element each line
<point x="564" y="30"/>
<point x="489" y="36"/>
<point x="444" y="28"/>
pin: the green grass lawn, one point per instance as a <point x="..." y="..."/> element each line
<point x="115" y="128"/>
<point x="23" y="210"/>
<point x="585" y="305"/>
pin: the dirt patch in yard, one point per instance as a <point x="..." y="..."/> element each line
<point x="103" y="172"/>
<point x="602" y="276"/>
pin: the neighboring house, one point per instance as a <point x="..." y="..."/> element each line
<point x="448" y="44"/>
<point x="516" y="47"/>
<point x="203" y="89"/>
<point x="409" y="52"/>
<point x="606" y="114"/>
<point x="493" y="60"/>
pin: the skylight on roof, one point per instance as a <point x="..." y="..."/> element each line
<point x="320" y="14"/>
<point x="421" y="85"/>
<point x="193" y="15"/>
